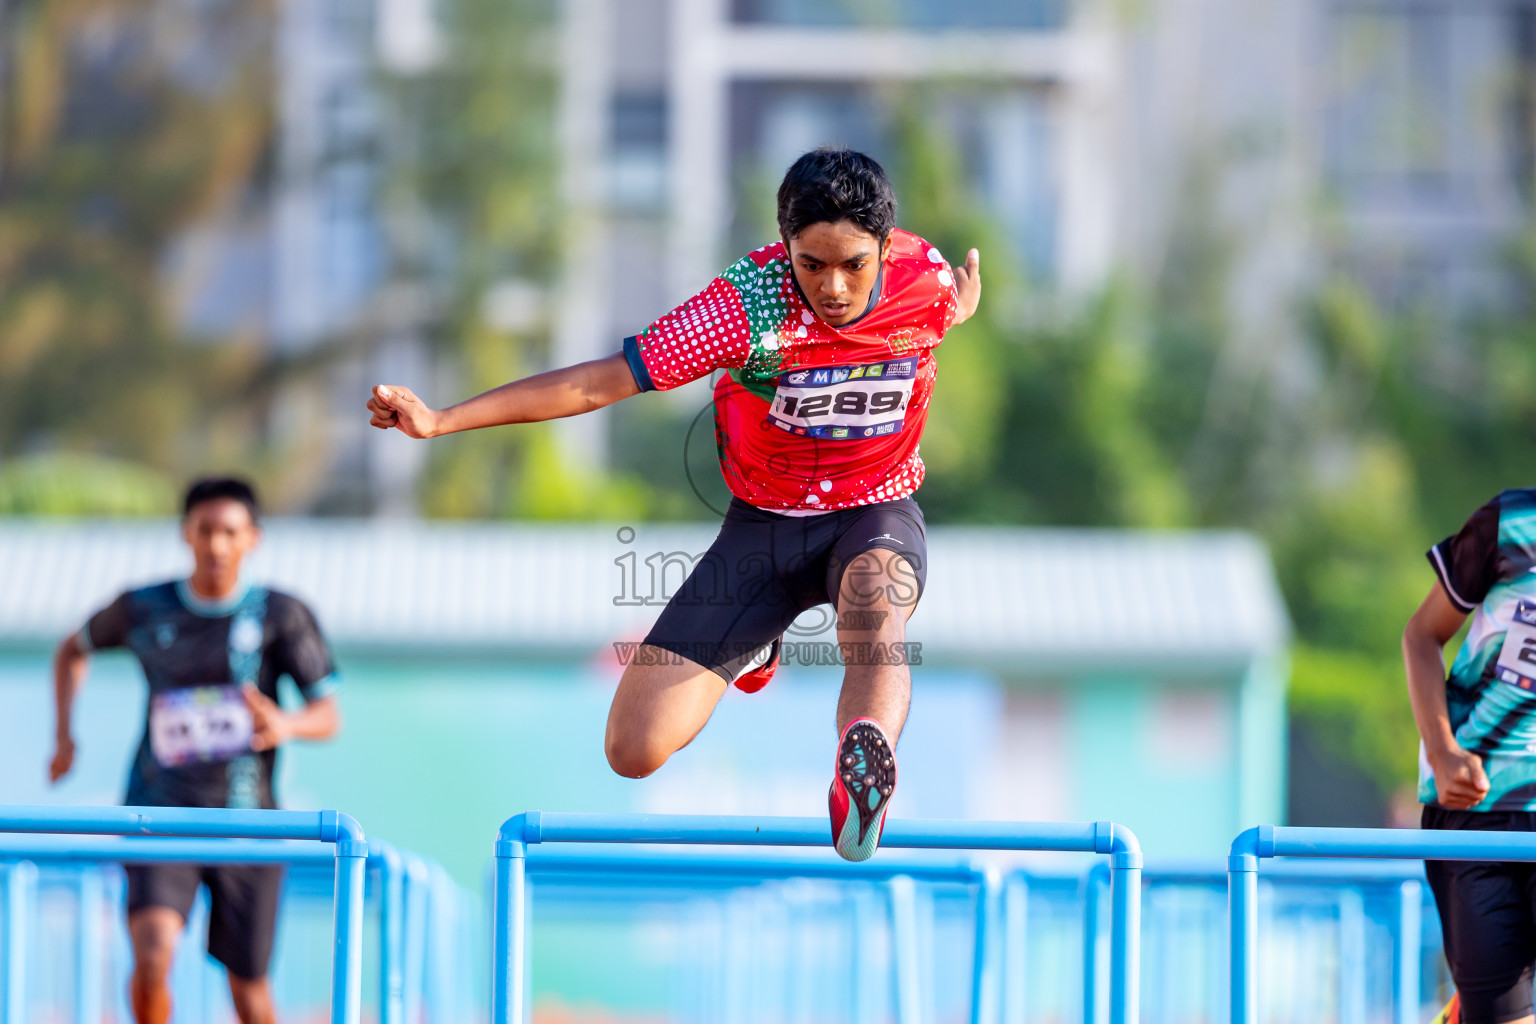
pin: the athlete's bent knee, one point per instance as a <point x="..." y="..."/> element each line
<point x="154" y="944"/>
<point x="633" y="758"/>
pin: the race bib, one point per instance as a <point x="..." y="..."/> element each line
<point x="198" y="724"/>
<point x="844" y="403"/>
<point x="1517" y="658"/>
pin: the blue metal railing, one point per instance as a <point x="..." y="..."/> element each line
<point x="626" y="866"/>
<point x="509" y="992"/>
<point x="340" y="830"/>
<point x="391" y="866"/>
<point x="1268" y="841"/>
<point x="1407" y="877"/>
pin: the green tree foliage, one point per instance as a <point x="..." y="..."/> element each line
<point x="479" y="164"/>
<point x="83" y="485"/>
<point x="114" y="138"/>
<point x="1351" y="442"/>
<point x="127" y="127"/>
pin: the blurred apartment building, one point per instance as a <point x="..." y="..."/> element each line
<point x="1392" y="138"/>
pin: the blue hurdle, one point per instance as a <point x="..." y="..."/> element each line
<point x="393" y="869"/>
<point x="1267" y="841"/>
<point x="589" y="867"/>
<point x="340" y="830"/>
<point x="1406" y="875"/>
<point x="509" y="991"/>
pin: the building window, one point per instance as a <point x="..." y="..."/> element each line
<point x="1422" y="101"/>
<point x="1427" y="144"/>
<point x="637" y="159"/>
<point x="353" y="242"/>
<point x="917" y="14"/>
<point x="1000" y="138"/>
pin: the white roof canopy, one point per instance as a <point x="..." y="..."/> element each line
<point x="996" y="595"/>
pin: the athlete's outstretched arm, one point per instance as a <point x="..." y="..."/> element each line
<point x="968" y="287"/>
<point x="569" y="391"/>
<point x="69" y="665"/>
<point x="1460" y="781"/>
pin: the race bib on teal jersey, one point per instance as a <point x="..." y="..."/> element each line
<point x="1517" y="658"/>
<point x="199" y="724"/>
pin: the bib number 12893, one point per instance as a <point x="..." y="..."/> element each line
<point x="1517" y="658"/>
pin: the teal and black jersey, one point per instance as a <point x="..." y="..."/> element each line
<point x="1489" y="569"/>
<point x="196" y="655"/>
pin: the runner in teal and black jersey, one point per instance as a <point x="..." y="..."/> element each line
<point x="1477" y="764"/>
<point x="212" y="649"/>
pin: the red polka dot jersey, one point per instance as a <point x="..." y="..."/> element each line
<point x="809" y="417"/>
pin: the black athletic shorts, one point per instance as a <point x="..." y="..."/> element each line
<point x="1488" y="918"/>
<point x="764" y="569"/>
<point x="242" y="911"/>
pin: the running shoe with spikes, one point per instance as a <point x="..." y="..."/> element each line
<point x="864" y="779"/>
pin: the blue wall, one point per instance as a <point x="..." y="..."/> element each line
<point x="436" y="753"/>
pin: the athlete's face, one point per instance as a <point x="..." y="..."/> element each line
<point x="836" y="265"/>
<point x="220" y="533"/>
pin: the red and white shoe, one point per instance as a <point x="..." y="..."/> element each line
<point x="756" y="677"/>
<point x="861" y="789"/>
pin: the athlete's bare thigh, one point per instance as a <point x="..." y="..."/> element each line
<point x="662" y="702"/>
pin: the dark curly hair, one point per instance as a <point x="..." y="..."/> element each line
<point x="832" y="184"/>
<point x="213" y="488"/>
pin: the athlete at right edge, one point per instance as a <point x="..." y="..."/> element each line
<point x="827" y="339"/>
<point x="1477" y="764"/>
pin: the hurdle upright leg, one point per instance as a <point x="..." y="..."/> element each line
<point x="347" y="922"/>
<point x="90" y="957"/>
<point x="984" y="965"/>
<point x="1125" y="937"/>
<point x="391" y="934"/>
<point x="1014" y="959"/>
<point x="1093" y="888"/>
<point x="1243" y="936"/>
<point x="20" y="885"/>
<point x="904" y="942"/>
<point x="1410" y="926"/>
<point x="509" y="960"/>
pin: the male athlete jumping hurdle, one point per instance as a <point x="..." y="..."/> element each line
<point x="826" y="338"/>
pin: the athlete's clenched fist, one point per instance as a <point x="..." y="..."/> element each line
<point x="396" y="406"/>
<point x="968" y="287"/>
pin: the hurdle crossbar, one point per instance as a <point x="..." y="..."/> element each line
<point x="1268" y="841"/>
<point x="509" y="940"/>
<point x="391" y="866"/>
<point x="1406" y="876"/>
<point x="340" y="830"/>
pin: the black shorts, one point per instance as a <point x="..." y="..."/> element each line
<point x="1488" y="918"/>
<point x="242" y="911"/>
<point x="765" y="569"/>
